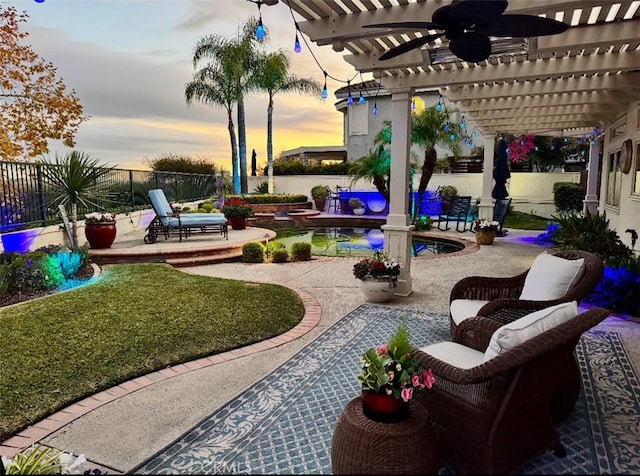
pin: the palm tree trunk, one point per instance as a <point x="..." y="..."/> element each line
<point x="382" y="186"/>
<point x="242" y="144"/>
<point x="234" y="153"/>
<point x="428" y="166"/>
<point x="270" y="144"/>
<point x="74" y="224"/>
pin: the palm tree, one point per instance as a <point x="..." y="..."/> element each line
<point x="430" y="128"/>
<point x="210" y="85"/>
<point x="272" y="76"/>
<point x="75" y="178"/>
<point x="236" y="59"/>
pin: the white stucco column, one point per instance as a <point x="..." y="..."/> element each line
<point x="590" y="201"/>
<point x="485" y="209"/>
<point x="397" y="230"/>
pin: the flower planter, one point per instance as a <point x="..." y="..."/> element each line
<point x="19" y="241"/>
<point x="377" y="289"/>
<point x="485" y="237"/>
<point x="358" y="211"/>
<point x="383" y="408"/>
<point x="237" y="223"/>
<point x="320" y="203"/>
<point x="100" y="235"/>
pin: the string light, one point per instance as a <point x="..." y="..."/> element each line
<point x="349" y="98"/>
<point x="325" y="93"/>
<point x="361" y="99"/>
<point x="375" y="108"/>
<point x="296" y="44"/>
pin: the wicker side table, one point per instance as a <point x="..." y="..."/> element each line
<point x="363" y="446"/>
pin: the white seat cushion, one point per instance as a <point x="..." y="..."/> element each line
<point x="462" y="309"/>
<point x="550" y="277"/>
<point x="529" y="326"/>
<point x="455" y="354"/>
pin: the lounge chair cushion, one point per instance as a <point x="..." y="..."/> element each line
<point x="529" y="326"/>
<point x="455" y="354"/>
<point x="462" y="309"/>
<point x="550" y="277"/>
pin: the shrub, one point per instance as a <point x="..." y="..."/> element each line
<point x="275" y="245"/>
<point x="34" y="271"/>
<point x="281" y="255"/>
<point x="71" y="262"/>
<point x="355" y="203"/>
<point x="253" y="252"/>
<point x="4" y="278"/>
<point x="567" y="196"/>
<point x="590" y="232"/>
<point x="319" y="191"/>
<point x="272" y="198"/>
<point x="207" y="207"/>
<point x="446" y="191"/>
<point x="262" y="187"/>
<point x="301" y="251"/>
<point x="422" y="223"/>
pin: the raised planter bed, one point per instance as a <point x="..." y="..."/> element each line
<point x="279" y="208"/>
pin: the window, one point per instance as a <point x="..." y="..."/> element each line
<point x="636" y="170"/>
<point x="617" y="131"/>
<point x="358" y="119"/>
<point x="614" y="179"/>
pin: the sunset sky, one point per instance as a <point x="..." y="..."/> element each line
<point x="129" y="61"/>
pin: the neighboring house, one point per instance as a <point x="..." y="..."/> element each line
<point x="360" y="124"/>
<point x="316" y="154"/>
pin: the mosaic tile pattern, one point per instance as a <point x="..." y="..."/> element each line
<point x="284" y="424"/>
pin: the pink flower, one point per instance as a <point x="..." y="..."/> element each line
<point x="406" y="393"/>
<point x="390" y="375"/>
<point x="428" y="378"/>
<point x="389" y="391"/>
<point x="382" y="349"/>
<point x="415" y="380"/>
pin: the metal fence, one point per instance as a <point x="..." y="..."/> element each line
<point x="26" y="199"/>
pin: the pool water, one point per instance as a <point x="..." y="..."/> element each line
<point x="344" y="241"/>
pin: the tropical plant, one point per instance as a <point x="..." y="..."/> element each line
<point x="262" y="187"/>
<point x="374" y="167"/>
<point x="35" y="105"/>
<point x="272" y="76"/>
<point x="75" y="178"/>
<point x="391" y="369"/>
<point x="43" y="460"/>
<point x="446" y="192"/>
<point x="319" y="191"/>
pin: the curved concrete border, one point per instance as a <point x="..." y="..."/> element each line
<point x="43" y="428"/>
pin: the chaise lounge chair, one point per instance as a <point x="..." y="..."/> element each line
<point x="166" y="221"/>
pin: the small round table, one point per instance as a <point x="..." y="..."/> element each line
<point x="363" y="446"/>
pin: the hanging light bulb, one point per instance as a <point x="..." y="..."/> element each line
<point x="536" y="148"/>
<point x="452" y="137"/>
<point x="349" y="98"/>
<point x="296" y="45"/>
<point x="439" y="106"/>
<point x="446" y="127"/>
<point x="463" y="126"/>
<point x="375" y="108"/>
<point x="324" y="94"/>
<point x="566" y="139"/>
<point x="361" y="99"/>
<point x="413" y="104"/>
<point x="474" y="134"/>
<point x="260" y="30"/>
<point x="459" y="135"/>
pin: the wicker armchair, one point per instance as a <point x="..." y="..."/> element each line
<point x="503" y="294"/>
<point x="494" y="417"/>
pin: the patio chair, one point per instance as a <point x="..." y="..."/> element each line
<point x="491" y="407"/>
<point x="166" y="221"/>
<point x="458" y="213"/>
<point x="337" y="204"/>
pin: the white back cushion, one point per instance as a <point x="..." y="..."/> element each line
<point x="462" y="309"/>
<point x="550" y="277"/>
<point x="529" y="326"/>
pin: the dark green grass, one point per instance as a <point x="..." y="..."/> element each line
<point x="134" y="320"/>
<point x="525" y="221"/>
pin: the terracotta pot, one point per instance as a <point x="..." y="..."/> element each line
<point x="237" y="223"/>
<point x="485" y="237"/>
<point x="377" y="290"/>
<point x="320" y="203"/>
<point x="100" y="235"/>
<point x="383" y="408"/>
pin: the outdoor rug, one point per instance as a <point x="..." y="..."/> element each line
<point x="284" y="423"/>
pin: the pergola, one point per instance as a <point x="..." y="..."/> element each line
<point x="567" y="84"/>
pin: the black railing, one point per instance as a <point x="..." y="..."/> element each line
<point x="27" y="199"/>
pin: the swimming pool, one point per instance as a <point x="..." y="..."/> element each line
<point x="346" y="241"/>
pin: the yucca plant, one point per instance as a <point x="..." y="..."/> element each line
<point x="75" y="179"/>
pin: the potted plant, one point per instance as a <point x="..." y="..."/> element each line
<point x="378" y="276"/>
<point x="100" y="229"/>
<point x="445" y="193"/>
<point x="357" y="206"/>
<point x="485" y="231"/>
<point x="319" y="193"/>
<point x="237" y="211"/>
<point x="390" y="376"/>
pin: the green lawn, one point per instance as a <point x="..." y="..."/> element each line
<point x="525" y="221"/>
<point x="136" y="319"/>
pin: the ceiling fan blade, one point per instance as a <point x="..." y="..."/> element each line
<point x="522" y="26"/>
<point x="409" y="45"/>
<point x="472" y="46"/>
<point x="410" y="25"/>
<point x="474" y="12"/>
